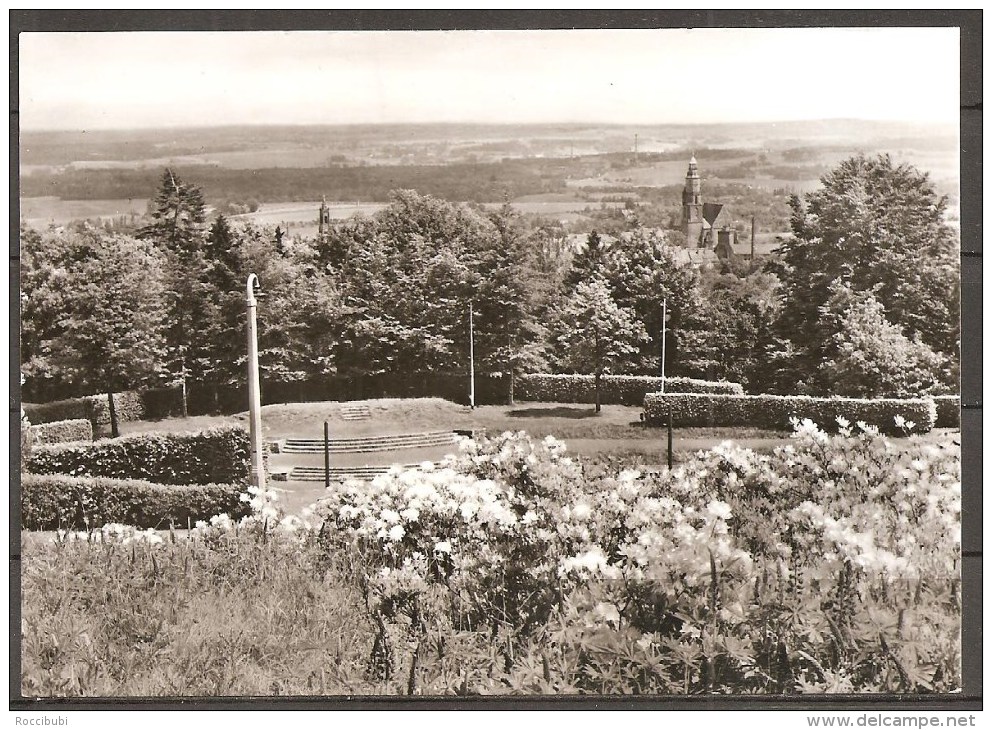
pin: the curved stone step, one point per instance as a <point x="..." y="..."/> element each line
<point x="336" y="443"/>
<point x="316" y="473"/>
<point x="355" y="412"/>
<point x="366" y="444"/>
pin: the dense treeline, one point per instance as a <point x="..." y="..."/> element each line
<point x="482" y="182"/>
<point x="861" y="302"/>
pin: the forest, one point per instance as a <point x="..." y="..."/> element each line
<point x="861" y="300"/>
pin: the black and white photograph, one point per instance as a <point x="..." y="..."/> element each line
<point x="488" y="363"/>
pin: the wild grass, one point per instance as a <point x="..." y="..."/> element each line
<point x="237" y="617"/>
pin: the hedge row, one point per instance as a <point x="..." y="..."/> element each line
<point x="52" y="501"/>
<point x="75" y="429"/>
<point x="214" y="456"/>
<point x="626" y="390"/>
<point x="94" y="408"/>
<point x="948" y="411"/>
<point x="774" y="411"/>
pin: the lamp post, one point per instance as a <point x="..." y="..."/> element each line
<point x="471" y="358"/>
<point x="257" y="474"/>
<point x="664" y="330"/>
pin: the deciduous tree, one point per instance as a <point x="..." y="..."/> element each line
<point x="112" y="337"/>
<point x="594" y="335"/>
<point x="868" y="356"/>
<point x="878" y="227"/>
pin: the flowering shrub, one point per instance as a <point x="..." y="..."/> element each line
<point x="484" y="527"/>
<point x="829" y="565"/>
<point x="75" y="429"/>
<point x="213" y="456"/>
<point x="776" y="411"/>
<point x="628" y="390"/>
<point x="51" y="501"/>
<point x="833" y="567"/>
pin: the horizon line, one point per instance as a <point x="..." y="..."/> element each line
<point x="451" y="123"/>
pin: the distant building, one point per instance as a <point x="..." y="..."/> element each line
<point x="706" y="225"/>
<point x="323" y="217"/>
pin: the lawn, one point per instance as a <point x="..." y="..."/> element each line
<point x="410" y="415"/>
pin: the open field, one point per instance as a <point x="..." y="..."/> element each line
<point x="541" y="168"/>
<point x="298" y="217"/>
<point x="41" y="212"/>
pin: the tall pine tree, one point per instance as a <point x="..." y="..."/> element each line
<point x="178" y="230"/>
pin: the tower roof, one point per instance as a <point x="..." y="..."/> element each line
<point x="692" y="171"/>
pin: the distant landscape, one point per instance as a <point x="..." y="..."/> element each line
<point x="275" y="175"/>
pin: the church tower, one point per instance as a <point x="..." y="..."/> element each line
<point x="323" y="217"/>
<point x="692" y="207"/>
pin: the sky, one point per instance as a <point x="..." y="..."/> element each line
<point x="169" y="79"/>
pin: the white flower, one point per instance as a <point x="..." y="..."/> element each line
<point x="396" y="533"/>
<point x="719" y="510"/>
<point x="443" y="547"/>
<point x="607" y="612"/>
<point x="581" y="512"/>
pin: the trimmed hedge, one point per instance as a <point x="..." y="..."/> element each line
<point x="214" y="456"/>
<point x="626" y="390"/>
<point x="774" y="411"/>
<point x="162" y="402"/>
<point x="948" y="411"/>
<point x="94" y="408"/>
<point x="52" y="501"/>
<point x="56" y="432"/>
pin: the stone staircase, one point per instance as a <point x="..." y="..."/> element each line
<point x="365" y="444"/>
<point x="340" y="474"/>
<point x="355" y="412"/>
